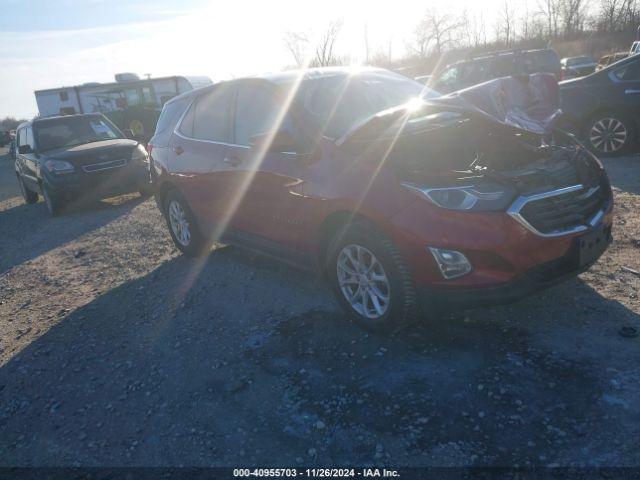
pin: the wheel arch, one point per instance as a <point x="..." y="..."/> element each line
<point x="165" y="188"/>
<point x="328" y="228"/>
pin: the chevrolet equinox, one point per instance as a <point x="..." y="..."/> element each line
<point x="399" y="197"/>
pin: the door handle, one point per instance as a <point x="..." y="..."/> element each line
<point x="178" y="150"/>
<point x="631" y="90"/>
<point x="233" y="161"/>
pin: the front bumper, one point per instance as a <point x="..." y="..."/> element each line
<point x="130" y="178"/>
<point x="535" y="279"/>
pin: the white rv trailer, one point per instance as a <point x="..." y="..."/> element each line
<point x="131" y="102"/>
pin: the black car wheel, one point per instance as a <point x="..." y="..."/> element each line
<point x="182" y="225"/>
<point x="29" y="196"/>
<point x="370" y="279"/>
<point x="610" y="134"/>
<point x="54" y="203"/>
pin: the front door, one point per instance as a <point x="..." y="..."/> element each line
<point x="269" y="184"/>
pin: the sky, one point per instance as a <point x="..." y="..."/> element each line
<point x="48" y="44"/>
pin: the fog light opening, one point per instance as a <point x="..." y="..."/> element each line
<point x="452" y="264"/>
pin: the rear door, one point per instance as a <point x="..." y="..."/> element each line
<point x="197" y="153"/>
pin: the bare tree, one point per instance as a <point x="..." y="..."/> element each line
<point x="550" y="10"/>
<point x="617" y="15"/>
<point x="324" y="53"/>
<point x="506" y="26"/>
<point x="572" y="12"/>
<point x="298" y="44"/>
<point x="437" y="28"/>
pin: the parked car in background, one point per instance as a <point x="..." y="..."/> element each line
<point x="605" y="106"/>
<point x="481" y="68"/>
<point x="577" y="67"/>
<point x="394" y="200"/>
<point x="607" y="60"/>
<point x="77" y="157"/>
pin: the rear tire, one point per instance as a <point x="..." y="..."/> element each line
<point x="30" y="197"/>
<point x="610" y="134"/>
<point x="378" y="271"/>
<point x="55" y="205"/>
<point x="182" y="225"/>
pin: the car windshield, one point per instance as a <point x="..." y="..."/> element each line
<point x="338" y="102"/>
<point x="72" y="131"/>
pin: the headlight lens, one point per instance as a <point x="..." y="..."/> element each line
<point x="139" y="154"/>
<point x="58" y="167"/>
<point x="485" y="197"/>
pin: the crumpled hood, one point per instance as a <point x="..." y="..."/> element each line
<point x="529" y="103"/>
<point x="526" y="103"/>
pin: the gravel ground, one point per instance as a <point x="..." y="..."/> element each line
<point x="117" y="351"/>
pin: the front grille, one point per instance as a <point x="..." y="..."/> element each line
<point x="562" y="211"/>
<point x="97" y="167"/>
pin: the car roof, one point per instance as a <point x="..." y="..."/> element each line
<point x="286" y="77"/>
<point x="499" y="54"/>
<point x="58" y="117"/>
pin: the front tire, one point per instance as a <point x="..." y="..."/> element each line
<point x="29" y="196"/>
<point x="182" y="225"/>
<point x="55" y="204"/>
<point x="370" y="279"/>
<point x="610" y="134"/>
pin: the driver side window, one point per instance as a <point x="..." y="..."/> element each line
<point x="257" y="112"/>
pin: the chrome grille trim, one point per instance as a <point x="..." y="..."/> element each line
<point x="109" y="164"/>
<point x="520" y="202"/>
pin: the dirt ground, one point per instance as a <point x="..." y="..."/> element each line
<point x="117" y="351"/>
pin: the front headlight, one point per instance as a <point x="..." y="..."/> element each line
<point x="139" y="154"/>
<point x="58" y="167"/>
<point x="485" y="197"/>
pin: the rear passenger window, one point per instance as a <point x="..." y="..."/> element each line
<point x="256" y="112"/>
<point x="186" y="126"/>
<point x="211" y="115"/>
<point x="170" y="114"/>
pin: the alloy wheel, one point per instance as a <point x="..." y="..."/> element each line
<point x="608" y="135"/>
<point x="179" y="223"/>
<point x="363" y="281"/>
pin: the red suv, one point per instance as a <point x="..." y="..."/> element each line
<point x="398" y="198"/>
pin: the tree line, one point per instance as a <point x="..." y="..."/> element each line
<point x="10" y="123"/>
<point x="573" y="27"/>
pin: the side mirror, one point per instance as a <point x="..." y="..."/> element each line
<point x="25" y="149"/>
<point x="128" y="133"/>
<point x="279" y="141"/>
